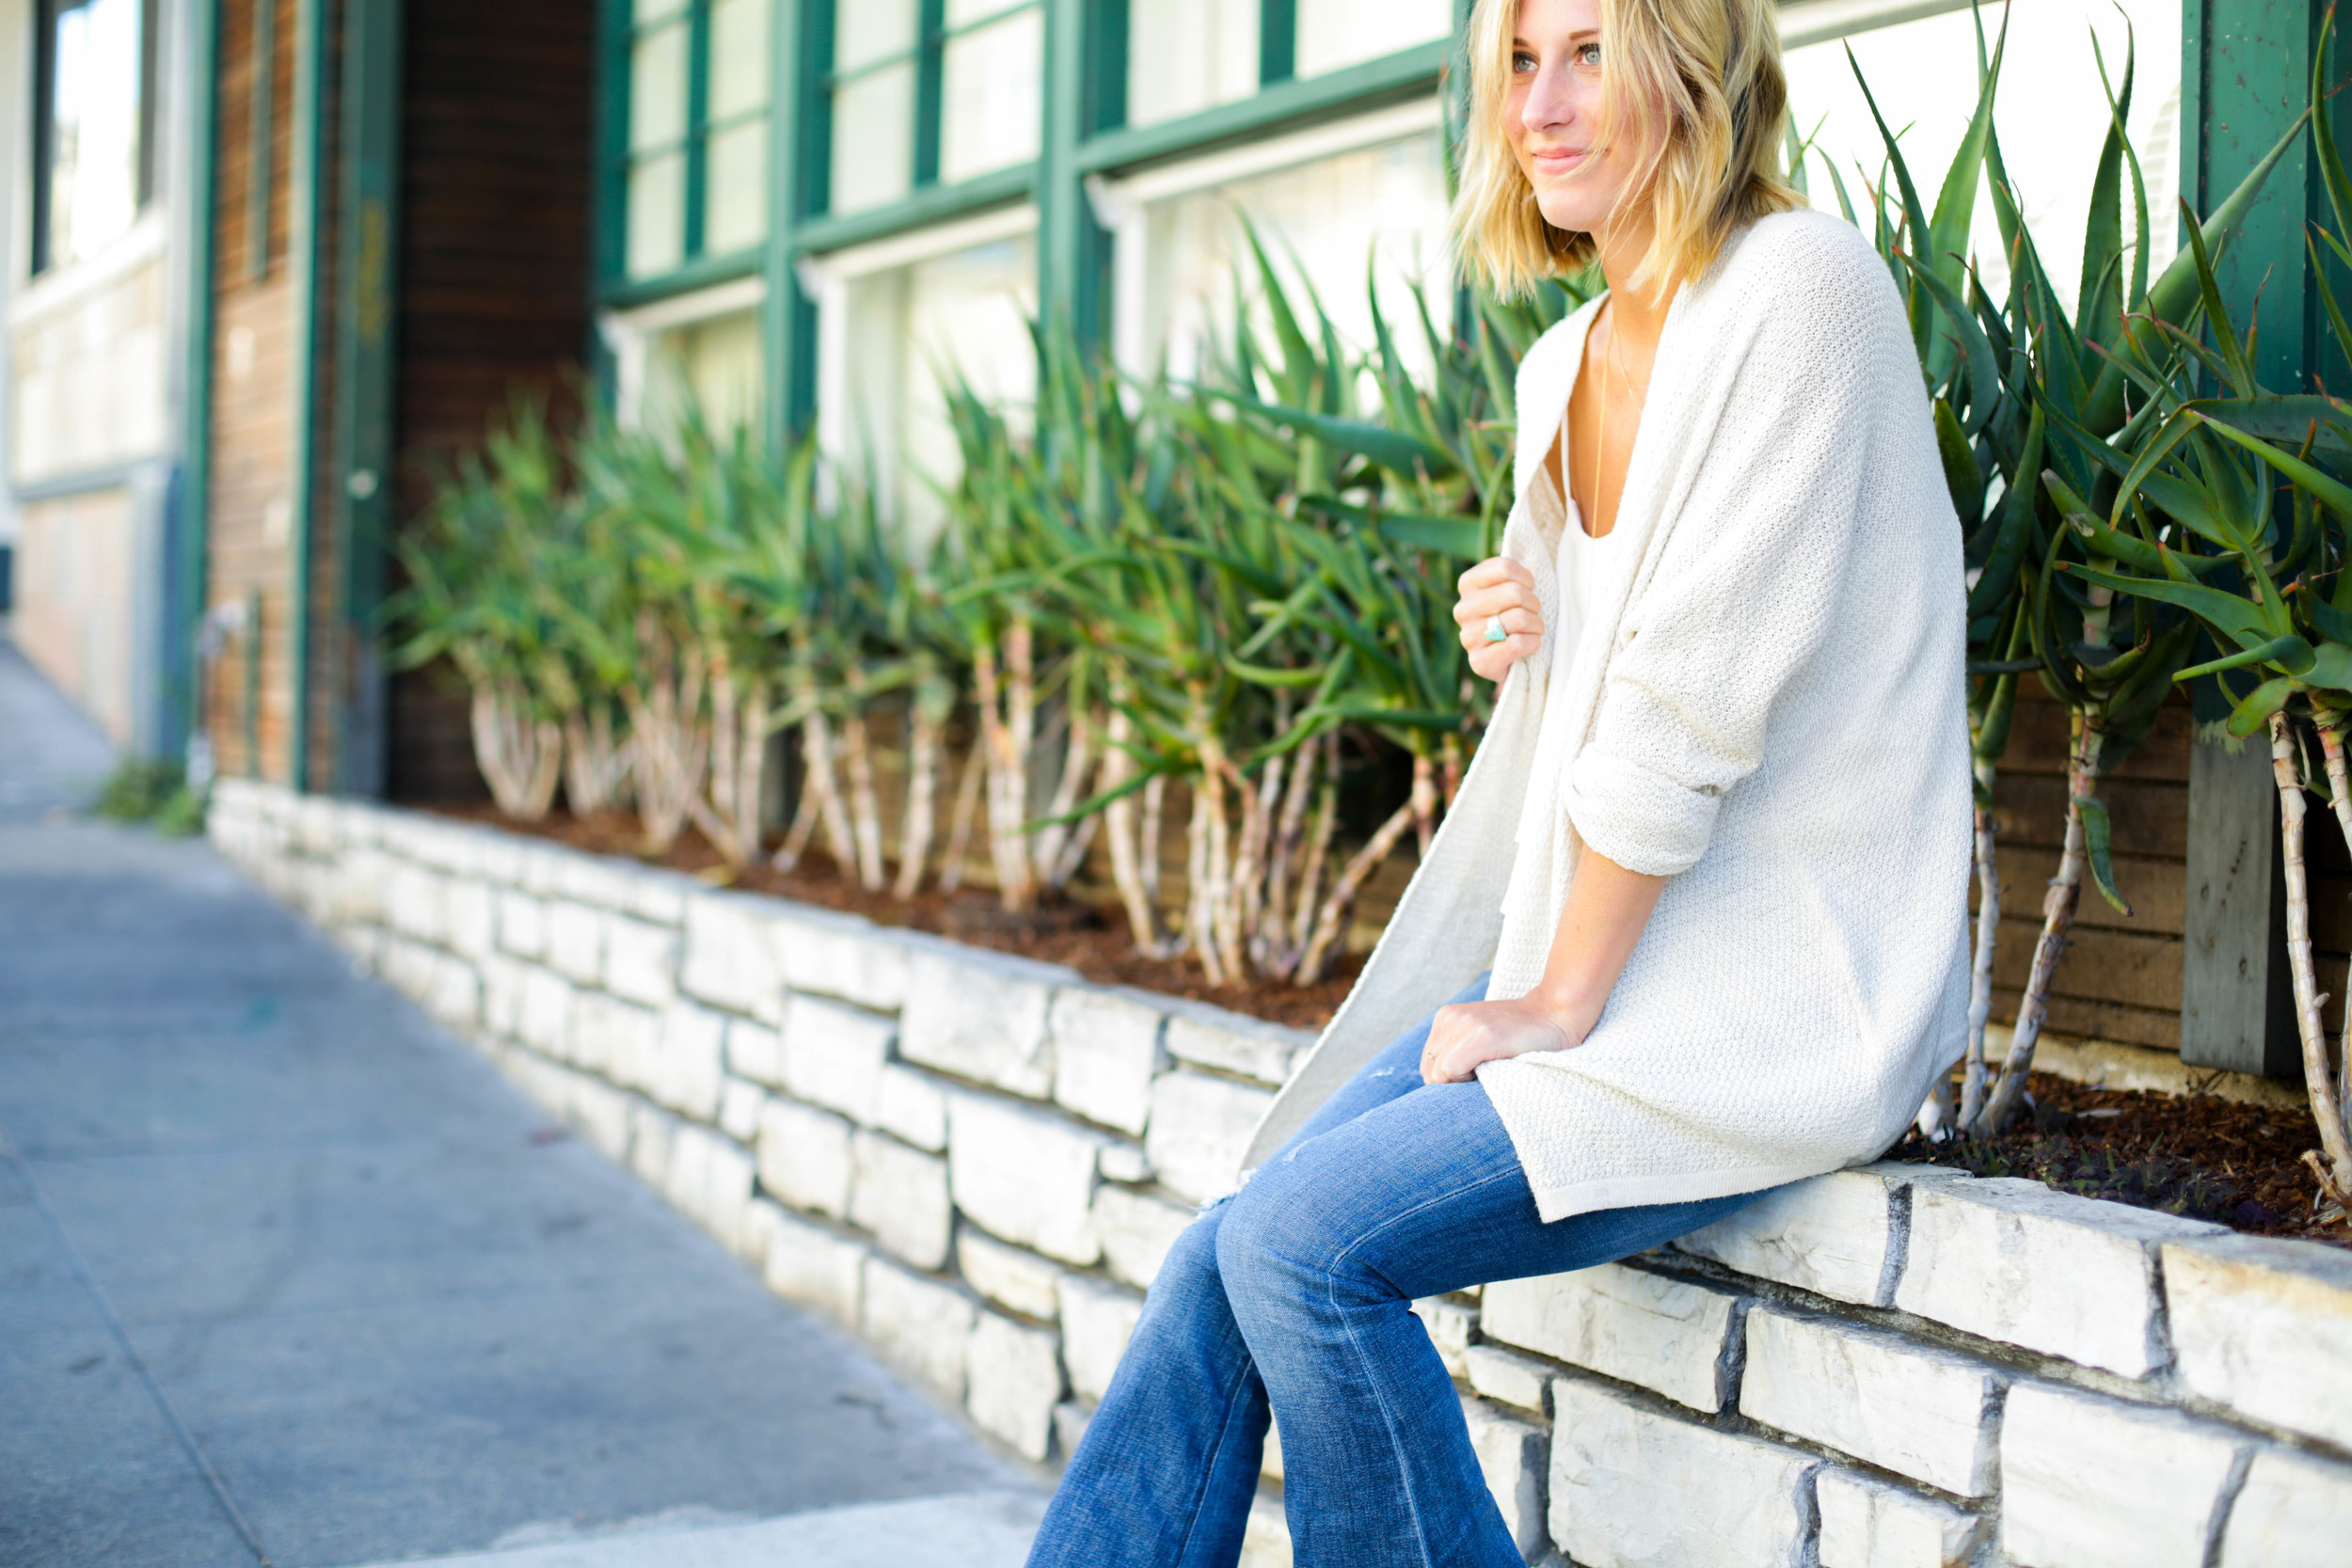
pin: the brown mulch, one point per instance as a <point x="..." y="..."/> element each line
<point x="2194" y="1155"/>
<point x="2198" y="1155"/>
<point x="1077" y="932"/>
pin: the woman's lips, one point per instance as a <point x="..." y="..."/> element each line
<point x="1559" y="160"/>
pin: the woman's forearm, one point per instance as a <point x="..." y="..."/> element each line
<point x="1602" y="919"/>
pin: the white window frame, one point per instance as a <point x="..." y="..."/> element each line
<point x="629" y="335"/>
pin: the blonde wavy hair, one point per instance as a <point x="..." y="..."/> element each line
<point x="1710" y="67"/>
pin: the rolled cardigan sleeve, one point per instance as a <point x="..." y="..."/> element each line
<point x="1751" y="577"/>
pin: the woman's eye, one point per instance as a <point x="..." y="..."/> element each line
<point x="1588" y="56"/>
<point x="1522" y="63"/>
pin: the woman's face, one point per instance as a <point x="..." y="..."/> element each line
<point x="1554" y="116"/>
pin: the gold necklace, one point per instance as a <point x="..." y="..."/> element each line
<point x="1601" y="443"/>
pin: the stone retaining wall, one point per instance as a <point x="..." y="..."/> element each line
<point x="977" y="1162"/>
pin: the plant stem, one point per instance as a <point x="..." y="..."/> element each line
<point x="864" y="807"/>
<point x="1332" y="919"/>
<point x="2328" y="1105"/>
<point x="1118" y="763"/>
<point x="2058" y="917"/>
<point x="1988" y="929"/>
<point x="960" y="820"/>
<point x="925" y="716"/>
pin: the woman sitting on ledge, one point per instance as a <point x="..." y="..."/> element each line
<point x="1700" y="907"/>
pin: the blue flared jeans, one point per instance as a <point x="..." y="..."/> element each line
<point x="1295" y="1296"/>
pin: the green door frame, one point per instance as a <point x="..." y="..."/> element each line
<point x="313" y="44"/>
<point x="190" y="567"/>
<point x="366" y="324"/>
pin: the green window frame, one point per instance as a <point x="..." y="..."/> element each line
<point x="672" y="163"/>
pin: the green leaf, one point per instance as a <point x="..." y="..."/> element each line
<point x="1403" y="456"/>
<point x="2289" y="653"/>
<point x="2249" y="716"/>
<point x="2235" y="618"/>
<point x="2098" y="838"/>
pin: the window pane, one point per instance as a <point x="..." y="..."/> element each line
<point x="873" y="139"/>
<point x="1385" y="205"/>
<point x="868" y="31"/>
<point x="990" y="107"/>
<point x="94" y="127"/>
<point x="656" y="214"/>
<point x="1184" y="56"/>
<point x="1336" y="33"/>
<point x="962" y="13"/>
<point x="657" y="88"/>
<point x="734" y="195"/>
<point x="714" y="365"/>
<point x="967" y="312"/>
<point x="654" y="10"/>
<point x="1929" y="66"/>
<point x="738" y="56"/>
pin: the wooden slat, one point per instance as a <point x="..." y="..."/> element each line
<point x="2153" y="888"/>
<point x="2098" y="966"/>
<point x="2150" y="819"/>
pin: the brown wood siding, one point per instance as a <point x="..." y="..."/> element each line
<point x="2120" y="976"/>
<point x="496" y="192"/>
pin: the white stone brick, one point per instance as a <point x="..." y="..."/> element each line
<point x="1632" y="1488"/>
<point x="1015" y="1381"/>
<point x="454" y="996"/>
<point x="1512" y="1456"/>
<point x="1122" y="1161"/>
<point x="575" y="941"/>
<point x="612" y="1037"/>
<point x="640" y="961"/>
<point x="2011" y="1259"/>
<point x="1200" y="1131"/>
<point x="1026" y="1176"/>
<point x="1097" y="1320"/>
<point x="1906" y="1407"/>
<point x="982" y="1018"/>
<point x="1868" y="1522"/>
<point x="1009" y="1275"/>
<point x="1136" y="1230"/>
<point x="688" y="1061"/>
<point x="545" y="1023"/>
<point x="900" y="1196"/>
<point x="1508" y="1376"/>
<point x="826" y="954"/>
<point x="413" y="902"/>
<point x="755" y="1052"/>
<point x="1834" y="1235"/>
<point x="522" y="923"/>
<point x="1069" y="1426"/>
<point x="2295" y="1512"/>
<point x="651" y="1133"/>
<point x="919" y="1326"/>
<point x="2266" y="1327"/>
<point x="1107" y="1050"/>
<point x="497" y="857"/>
<point x="659" y="896"/>
<point x="1210" y="1037"/>
<point x="728" y="960"/>
<point x="808" y="1264"/>
<point x="472" y="920"/>
<point x="1265" y="1540"/>
<point x="1665" y="1335"/>
<point x="596" y="880"/>
<point x="2091" y="1482"/>
<point x="501" y="988"/>
<point x="804" y="1157"/>
<point x="912" y="1106"/>
<point x="1450" y="1324"/>
<point x="543" y="868"/>
<point x="407" y="966"/>
<point x="710" y="1182"/>
<point x="602" y="1114"/>
<point x="832" y="1056"/>
<point x="739" y="1104"/>
<point x="362" y="880"/>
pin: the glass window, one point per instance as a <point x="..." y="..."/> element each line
<point x="965" y="314"/>
<point x="1336" y="33"/>
<point x="2050" y="114"/>
<point x="991" y="116"/>
<point x="1186" y="55"/>
<point x="913" y="106"/>
<point x="698" y="95"/>
<point x="1370" y="218"/>
<point x="713" y="364"/>
<point x="93" y="165"/>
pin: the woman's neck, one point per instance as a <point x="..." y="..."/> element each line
<point x="1639" y="314"/>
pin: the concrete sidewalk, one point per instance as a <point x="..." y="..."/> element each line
<point x="288" y="1276"/>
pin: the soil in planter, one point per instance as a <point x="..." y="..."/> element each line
<point x="2194" y="1155"/>
<point x="2199" y="1156"/>
<point x="1073" y="931"/>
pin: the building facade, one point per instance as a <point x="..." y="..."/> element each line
<point x="270" y="265"/>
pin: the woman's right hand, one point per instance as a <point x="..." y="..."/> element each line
<point x="1498" y="587"/>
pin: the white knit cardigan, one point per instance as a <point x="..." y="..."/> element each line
<point x="1767" y="707"/>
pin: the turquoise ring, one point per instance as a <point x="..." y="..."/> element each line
<point x="1494" y="631"/>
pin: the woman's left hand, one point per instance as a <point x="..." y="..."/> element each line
<point x="1469" y="1033"/>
